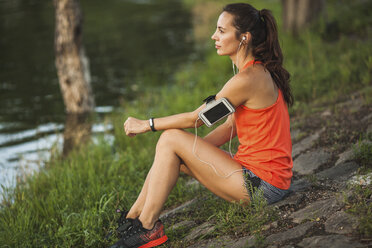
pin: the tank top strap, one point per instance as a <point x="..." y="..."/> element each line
<point x="249" y="63"/>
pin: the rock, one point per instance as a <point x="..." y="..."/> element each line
<point x="274" y="224"/>
<point x="317" y="210"/>
<point x="227" y="242"/>
<point x="178" y="209"/>
<point x="369" y="129"/>
<point x="294" y="134"/>
<point x="349" y="154"/>
<point x="361" y="179"/>
<point x="276" y="246"/>
<point x="367" y="118"/>
<point x="326" y="113"/>
<point x="293" y="233"/>
<point x="292" y="199"/>
<point x="300" y="185"/>
<point x="193" y="183"/>
<point x="183" y="224"/>
<point x="306" y="143"/>
<point x="345" y="156"/>
<point x="270" y="225"/>
<point x="360" y="143"/>
<point x="223" y="241"/>
<point x="345" y="195"/>
<point x="307" y="163"/>
<point x="341" y="223"/>
<point x="329" y="241"/>
<point x="354" y="105"/>
<point x="340" y="172"/>
<point x="202" y="230"/>
<point x="248" y="241"/>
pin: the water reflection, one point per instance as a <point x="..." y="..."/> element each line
<point x="131" y="45"/>
<point x="128" y="43"/>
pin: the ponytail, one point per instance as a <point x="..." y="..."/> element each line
<point x="269" y="52"/>
<point x="265" y="45"/>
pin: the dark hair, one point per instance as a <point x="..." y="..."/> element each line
<point x="265" y="44"/>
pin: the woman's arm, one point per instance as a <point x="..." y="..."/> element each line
<point x="236" y="90"/>
<point x="222" y="133"/>
<point x="133" y="126"/>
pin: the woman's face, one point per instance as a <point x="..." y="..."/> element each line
<point x="225" y="35"/>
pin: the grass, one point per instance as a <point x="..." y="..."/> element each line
<point x="228" y="219"/>
<point x="71" y="202"/>
<point x="359" y="204"/>
<point x="363" y="154"/>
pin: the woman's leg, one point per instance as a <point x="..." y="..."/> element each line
<point x="137" y="207"/>
<point x="175" y="146"/>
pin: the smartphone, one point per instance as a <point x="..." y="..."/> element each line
<point x="215" y="111"/>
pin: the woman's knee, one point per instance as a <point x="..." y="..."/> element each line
<point x="169" y="138"/>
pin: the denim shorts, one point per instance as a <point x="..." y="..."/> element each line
<point x="256" y="186"/>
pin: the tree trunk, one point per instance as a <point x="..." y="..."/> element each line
<point x="71" y="62"/>
<point x="77" y="131"/>
<point x="296" y="14"/>
<point x="289" y="14"/>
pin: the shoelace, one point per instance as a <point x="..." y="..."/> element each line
<point x="132" y="230"/>
<point x="121" y="221"/>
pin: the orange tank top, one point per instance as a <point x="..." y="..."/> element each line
<point x="265" y="141"/>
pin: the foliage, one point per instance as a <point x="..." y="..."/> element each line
<point x="360" y="205"/>
<point x="363" y="155"/>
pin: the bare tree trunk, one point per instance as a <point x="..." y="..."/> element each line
<point x="296" y="14"/>
<point x="289" y="14"/>
<point x="77" y="131"/>
<point x="73" y="73"/>
<point x="71" y="62"/>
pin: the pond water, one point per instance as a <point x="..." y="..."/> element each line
<point x="130" y="45"/>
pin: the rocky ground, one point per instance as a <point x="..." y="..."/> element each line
<point x="325" y="169"/>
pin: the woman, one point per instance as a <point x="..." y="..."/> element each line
<point x="260" y="93"/>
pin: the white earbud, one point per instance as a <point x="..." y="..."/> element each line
<point x="244" y="38"/>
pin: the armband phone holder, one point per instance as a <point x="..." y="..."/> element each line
<point x="215" y="110"/>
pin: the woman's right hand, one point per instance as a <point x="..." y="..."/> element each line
<point x="133" y="126"/>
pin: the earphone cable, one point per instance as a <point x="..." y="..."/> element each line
<point x="211" y="165"/>
<point x="235" y="71"/>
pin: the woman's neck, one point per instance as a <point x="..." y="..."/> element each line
<point x="240" y="61"/>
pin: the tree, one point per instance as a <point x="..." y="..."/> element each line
<point x="71" y="62"/>
<point x="298" y="13"/>
<point x="73" y="73"/>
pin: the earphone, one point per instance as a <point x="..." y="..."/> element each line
<point x="236" y="71"/>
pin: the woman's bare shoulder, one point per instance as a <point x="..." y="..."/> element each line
<point x="251" y="79"/>
<point x="263" y="91"/>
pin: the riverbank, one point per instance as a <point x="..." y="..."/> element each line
<point x="330" y="203"/>
<point x="72" y="202"/>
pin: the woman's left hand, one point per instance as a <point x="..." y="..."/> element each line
<point x="133" y="126"/>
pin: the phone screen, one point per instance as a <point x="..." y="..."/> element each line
<point x="215" y="113"/>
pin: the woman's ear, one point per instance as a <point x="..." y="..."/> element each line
<point x="246" y="37"/>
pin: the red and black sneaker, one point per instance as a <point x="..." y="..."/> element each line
<point x="123" y="223"/>
<point x="138" y="237"/>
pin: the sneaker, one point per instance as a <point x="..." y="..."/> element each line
<point x="138" y="237"/>
<point x="123" y="224"/>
